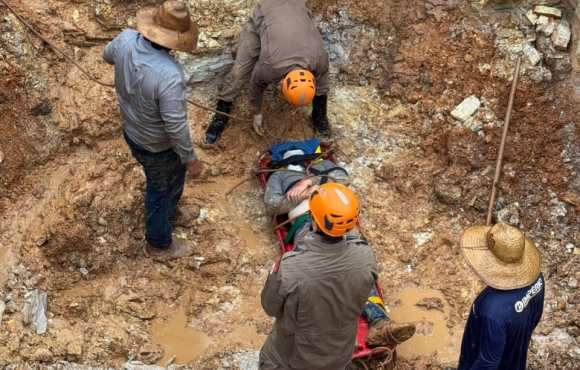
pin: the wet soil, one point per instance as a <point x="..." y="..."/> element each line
<point x="71" y="195"/>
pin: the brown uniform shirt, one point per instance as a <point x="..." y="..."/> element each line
<point x="279" y="36"/>
<point x="316" y="297"/>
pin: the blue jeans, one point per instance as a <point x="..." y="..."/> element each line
<point x="165" y="179"/>
<point x="374" y="312"/>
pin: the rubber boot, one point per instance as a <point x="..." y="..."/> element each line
<point x="388" y="333"/>
<point x="218" y="123"/>
<point x="319" y="118"/>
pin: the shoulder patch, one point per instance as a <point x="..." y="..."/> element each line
<point x="288" y="255"/>
<point x="356" y="240"/>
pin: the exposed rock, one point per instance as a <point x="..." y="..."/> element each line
<point x="447" y="192"/>
<point x="43" y="108"/>
<point x="150" y="353"/>
<point x="431" y="303"/>
<point x="539" y="74"/>
<point x="510" y="214"/>
<point x="531" y="17"/>
<point x="247" y="360"/>
<point x="546" y="28"/>
<point x="548" y="10"/>
<point x="34" y="312"/>
<point x="205" y="68"/>
<point x="466" y="108"/>
<point x="561" y="36"/>
<point x="2" y="309"/>
<point x="532" y="54"/>
<point x="560" y="64"/>
<point x="137" y="365"/>
<point x="422" y="238"/>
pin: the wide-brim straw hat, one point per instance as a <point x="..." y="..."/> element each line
<point x="502" y="256"/>
<point x="169" y="25"/>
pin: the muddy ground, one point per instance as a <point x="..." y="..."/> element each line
<point x="71" y="194"/>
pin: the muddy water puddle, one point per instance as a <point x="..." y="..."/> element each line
<point x="227" y="203"/>
<point x="177" y="338"/>
<point x="433" y="335"/>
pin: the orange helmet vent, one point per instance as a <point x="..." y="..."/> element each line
<point x="299" y="87"/>
<point x="334" y="209"/>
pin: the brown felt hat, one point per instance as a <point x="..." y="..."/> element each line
<point x="501" y="256"/>
<point x="169" y="25"/>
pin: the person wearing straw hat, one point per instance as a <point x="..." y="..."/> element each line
<point x="150" y="89"/>
<point x="506" y="312"/>
<point x="280" y="44"/>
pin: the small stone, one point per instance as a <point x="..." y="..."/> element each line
<point x="561" y="36"/>
<point x="531" y="17"/>
<point x="1" y="156"/>
<point x="422" y="238"/>
<point x="466" y="109"/>
<point x="42" y="240"/>
<point x="2" y="309"/>
<point x="431" y="303"/>
<point x="573" y="282"/>
<point x="102" y="222"/>
<point x="446" y="193"/>
<point x="215" y="171"/>
<point x="42" y="109"/>
<point x="84" y="272"/>
<point x="532" y="54"/>
<point x="548" y="10"/>
<point x="510" y="214"/>
<point x="540" y="74"/>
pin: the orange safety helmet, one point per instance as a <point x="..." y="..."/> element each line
<point x="299" y="87"/>
<point x="335" y="209"/>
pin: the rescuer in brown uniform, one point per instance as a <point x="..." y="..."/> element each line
<point x="279" y="44"/>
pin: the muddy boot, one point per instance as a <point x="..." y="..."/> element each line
<point x="177" y="249"/>
<point x="218" y="123"/>
<point x="388" y="333"/>
<point x="319" y="117"/>
<point x="185" y="216"/>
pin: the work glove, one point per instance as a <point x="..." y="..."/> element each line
<point x="258" y="124"/>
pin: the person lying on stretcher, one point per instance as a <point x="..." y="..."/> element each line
<point x="324" y="277"/>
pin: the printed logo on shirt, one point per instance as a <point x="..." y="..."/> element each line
<point x="521" y="305"/>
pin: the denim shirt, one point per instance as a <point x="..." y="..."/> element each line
<point x="151" y="92"/>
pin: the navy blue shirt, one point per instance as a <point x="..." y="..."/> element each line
<point x="500" y="326"/>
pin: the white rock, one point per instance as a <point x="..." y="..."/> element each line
<point x="422" y="238"/>
<point x="533" y="55"/>
<point x="34" y="311"/>
<point x="548" y="10"/>
<point x="2" y="308"/>
<point x="546" y="28"/>
<point x="532" y="17"/>
<point x="561" y="35"/>
<point x="542" y="21"/>
<point x="467" y="108"/>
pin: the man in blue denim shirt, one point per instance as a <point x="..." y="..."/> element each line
<point x="506" y="312"/>
<point x="151" y="92"/>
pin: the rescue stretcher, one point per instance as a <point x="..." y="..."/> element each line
<point x="362" y="354"/>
